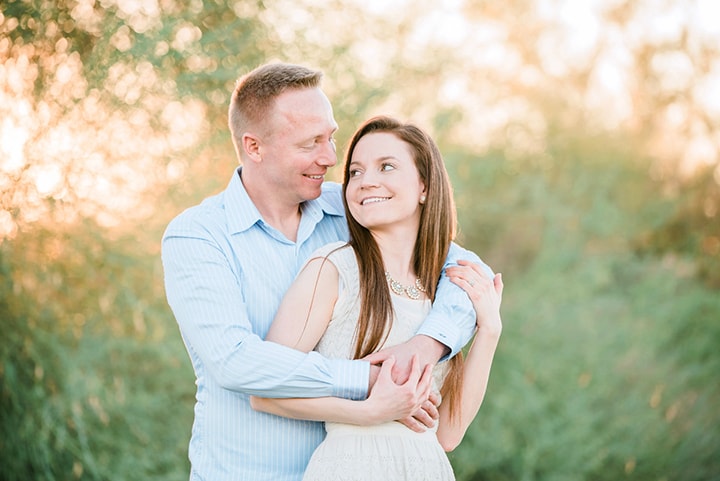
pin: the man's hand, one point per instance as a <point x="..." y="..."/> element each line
<point x="428" y="351"/>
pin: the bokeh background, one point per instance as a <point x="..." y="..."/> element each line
<point x="582" y="137"/>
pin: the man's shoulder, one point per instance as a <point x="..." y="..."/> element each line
<point x="206" y="215"/>
<point x="332" y="188"/>
<point x="331" y="198"/>
<point x="457" y="252"/>
<point x="331" y="191"/>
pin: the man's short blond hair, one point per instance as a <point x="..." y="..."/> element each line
<point x="255" y="93"/>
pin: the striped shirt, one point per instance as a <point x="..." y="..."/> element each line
<point x="226" y="271"/>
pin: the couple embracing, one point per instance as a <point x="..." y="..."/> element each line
<point x="324" y="321"/>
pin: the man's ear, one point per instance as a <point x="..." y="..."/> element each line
<point x="251" y="146"/>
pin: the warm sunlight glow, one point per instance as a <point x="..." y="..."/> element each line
<point x="91" y="158"/>
<point x="12" y="143"/>
<point x="95" y="150"/>
<point x="580" y="45"/>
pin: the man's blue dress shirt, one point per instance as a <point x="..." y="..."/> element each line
<point x="226" y="271"/>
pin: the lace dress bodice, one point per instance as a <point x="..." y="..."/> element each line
<point x="388" y="451"/>
<point x="339" y="338"/>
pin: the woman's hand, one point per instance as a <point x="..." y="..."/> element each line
<point x="484" y="292"/>
<point x="389" y="401"/>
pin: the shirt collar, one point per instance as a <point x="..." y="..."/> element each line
<point x="242" y="213"/>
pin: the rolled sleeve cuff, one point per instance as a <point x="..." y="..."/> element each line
<point x="447" y="333"/>
<point x="351" y="379"/>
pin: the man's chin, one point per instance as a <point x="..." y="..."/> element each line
<point x="311" y="195"/>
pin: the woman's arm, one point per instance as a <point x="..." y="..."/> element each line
<point x="475" y="380"/>
<point x="314" y="291"/>
<point x="486" y="295"/>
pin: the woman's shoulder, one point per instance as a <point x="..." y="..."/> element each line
<point x="338" y="250"/>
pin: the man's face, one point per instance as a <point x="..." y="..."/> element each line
<point x="299" y="147"/>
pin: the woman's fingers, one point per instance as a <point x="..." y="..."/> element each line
<point x="498" y="283"/>
<point x="468" y="275"/>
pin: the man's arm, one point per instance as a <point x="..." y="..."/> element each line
<point x="207" y="300"/>
<point x="387" y="401"/>
<point x="448" y="327"/>
<point x="451" y="321"/>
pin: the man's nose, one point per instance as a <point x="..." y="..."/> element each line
<point x="328" y="156"/>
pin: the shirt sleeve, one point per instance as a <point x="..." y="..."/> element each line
<point x="452" y="318"/>
<point x="206" y="298"/>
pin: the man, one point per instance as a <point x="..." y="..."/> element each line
<point x="228" y="262"/>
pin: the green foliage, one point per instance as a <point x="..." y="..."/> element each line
<point x="592" y="382"/>
<point x="690" y="229"/>
<point x="34" y="431"/>
<point x="89" y="387"/>
<point x="607" y="366"/>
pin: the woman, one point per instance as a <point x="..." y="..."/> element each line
<point x="374" y="292"/>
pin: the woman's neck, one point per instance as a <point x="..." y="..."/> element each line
<point x="397" y="254"/>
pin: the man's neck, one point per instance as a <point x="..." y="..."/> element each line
<point x="280" y="214"/>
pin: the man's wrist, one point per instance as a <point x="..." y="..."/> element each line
<point x="374" y="371"/>
<point x="430" y="348"/>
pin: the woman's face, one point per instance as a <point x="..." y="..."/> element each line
<point x="384" y="186"/>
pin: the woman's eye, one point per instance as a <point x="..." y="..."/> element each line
<point x="386" y="167"/>
<point x="354" y="172"/>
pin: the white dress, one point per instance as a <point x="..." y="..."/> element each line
<point x="389" y="451"/>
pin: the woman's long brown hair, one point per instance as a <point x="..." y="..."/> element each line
<point x="436" y="232"/>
